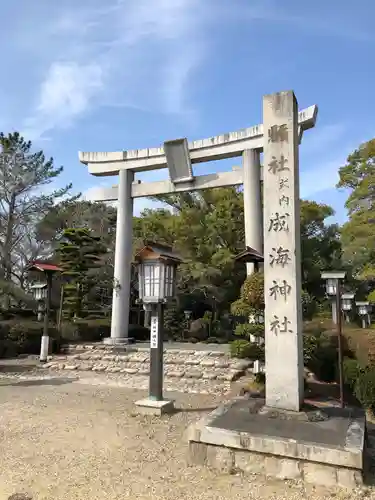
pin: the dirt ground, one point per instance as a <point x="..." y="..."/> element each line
<point x="62" y="439"/>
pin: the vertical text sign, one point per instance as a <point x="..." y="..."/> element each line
<point x="154" y="332"/>
<point x="282" y="253"/>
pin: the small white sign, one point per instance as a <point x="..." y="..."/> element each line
<point x="154" y="332"/>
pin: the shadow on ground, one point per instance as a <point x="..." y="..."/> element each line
<point x="195" y="410"/>
<point x="16" y="368"/>
<point x="38" y="382"/>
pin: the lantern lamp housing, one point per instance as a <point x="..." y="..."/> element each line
<point x="188" y="314"/>
<point x="347" y="301"/>
<point x="39" y="291"/>
<point x="363" y="308"/>
<point x="332" y="278"/>
<point x="157" y="266"/>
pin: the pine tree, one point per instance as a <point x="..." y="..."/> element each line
<point x="23" y="201"/>
<point x="80" y="254"/>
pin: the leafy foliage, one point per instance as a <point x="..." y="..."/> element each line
<point x="24" y="200"/>
<point x="358" y="234"/>
<point x="351" y="371"/>
<point x="80" y="254"/>
<point x="250" y="305"/>
<point x="365" y="388"/>
<point x="244" y="349"/>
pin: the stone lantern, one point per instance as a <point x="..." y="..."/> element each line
<point x="347" y="304"/>
<point x="157" y="266"/>
<point x="364" y="309"/>
<point x="47" y="270"/>
<point x="333" y="289"/>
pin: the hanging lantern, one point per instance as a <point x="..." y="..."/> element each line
<point x="332" y="279"/>
<point x="157" y="273"/>
<point x="347" y="301"/>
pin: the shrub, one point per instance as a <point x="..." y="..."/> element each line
<point x="247" y="329"/>
<point x="139" y="332"/>
<point x="24" y="337"/>
<point x="351" y="371"/>
<point x="95" y="330"/>
<point x="212" y="340"/>
<point x="174" y="322"/>
<point x="365" y="388"/>
<point x="245" y="349"/>
<point x="309" y="306"/>
<point x="320" y="356"/>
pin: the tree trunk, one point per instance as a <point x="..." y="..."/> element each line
<point x="7" y="256"/>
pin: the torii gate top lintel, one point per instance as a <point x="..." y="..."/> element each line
<point x="222" y="146"/>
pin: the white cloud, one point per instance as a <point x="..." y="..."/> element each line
<point x="136" y="53"/>
<point x="65" y="94"/>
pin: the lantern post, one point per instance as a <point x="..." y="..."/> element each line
<point x="48" y="270"/>
<point x="347" y="304"/>
<point x="157" y="266"/>
<point x="364" y="309"/>
<point x="333" y="288"/>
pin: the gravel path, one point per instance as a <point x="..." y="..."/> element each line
<point x="65" y="440"/>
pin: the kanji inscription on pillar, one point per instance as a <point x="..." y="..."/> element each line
<point x="154" y="327"/>
<point x="282" y="260"/>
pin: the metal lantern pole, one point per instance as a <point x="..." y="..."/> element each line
<point x="156" y="353"/>
<point x="333" y="289"/>
<point x="339" y="338"/>
<point x="44" y="347"/>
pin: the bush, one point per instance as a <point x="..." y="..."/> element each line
<point x="351" y="372"/>
<point x="139" y="333"/>
<point x="365" y="388"/>
<point x="174" y="322"/>
<point x="320" y="356"/>
<point x="245" y="349"/>
<point x="95" y="330"/>
<point x="24" y="337"/>
<point x="309" y="306"/>
<point x="247" y="329"/>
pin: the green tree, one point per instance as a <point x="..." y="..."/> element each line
<point x="358" y="234"/>
<point x="207" y="228"/>
<point x="320" y="245"/>
<point x="81" y="254"/>
<point x="250" y="308"/>
<point x="24" y="176"/>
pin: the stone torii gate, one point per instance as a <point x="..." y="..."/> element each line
<point x="283" y="127"/>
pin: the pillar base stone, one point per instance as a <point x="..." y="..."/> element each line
<point x="323" y="445"/>
<point x="118" y="341"/>
<point x="152" y="407"/>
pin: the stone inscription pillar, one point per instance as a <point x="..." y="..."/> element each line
<point x="123" y="259"/>
<point x="282" y="253"/>
<point x="252" y="203"/>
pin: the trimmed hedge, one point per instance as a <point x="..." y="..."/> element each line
<point x="95" y="330"/>
<point x="23" y="337"/>
<point x="361" y="343"/>
<point x="364" y="388"/>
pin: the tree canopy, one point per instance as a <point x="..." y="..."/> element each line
<point x="358" y="233"/>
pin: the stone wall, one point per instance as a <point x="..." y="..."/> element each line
<point x="188" y="370"/>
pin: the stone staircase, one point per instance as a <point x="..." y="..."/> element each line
<point x="187" y="370"/>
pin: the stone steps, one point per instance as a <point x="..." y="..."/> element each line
<point x="179" y="364"/>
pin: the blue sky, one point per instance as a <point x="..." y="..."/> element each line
<point x="125" y="74"/>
